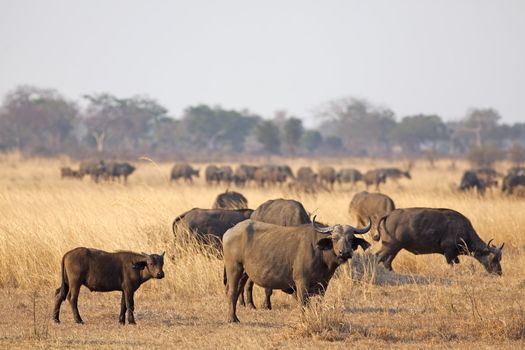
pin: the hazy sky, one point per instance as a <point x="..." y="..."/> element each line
<point x="413" y="56"/>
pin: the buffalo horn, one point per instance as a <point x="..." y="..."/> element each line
<point x="321" y="229"/>
<point x="500" y="248"/>
<point x="488" y="244"/>
<point x="364" y="229"/>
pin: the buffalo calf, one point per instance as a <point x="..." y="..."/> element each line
<point x="101" y="271"/>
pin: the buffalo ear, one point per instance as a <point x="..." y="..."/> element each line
<point x="139" y="265"/>
<point x="325" y="244"/>
<point x="359" y="242"/>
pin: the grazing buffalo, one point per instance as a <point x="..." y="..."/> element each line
<point x="372" y="206"/>
<point x="395" y="173"/>
<point x="298" y="258"/>
<point x="349" y="175"/>
<point x="95" y="169"/>
<point x="374" y="177"/>
<point x="511" y="182"/>
<point x="183" y="171"/>
<point x="101" y="271"/>
<point x="230" y="200"/>
<point x="213" y="174"/>
<point x="247" y="172"/>
<point x="68" y="172"/>
<point x="306" y="174"/>
<point x="433" y="231"/>
<point x="226" y="174"/>
<point x="471" y="180"/>
<point x="327" y="176"/>
<point x="209" y="225"/>
<point x="118" y="170"/>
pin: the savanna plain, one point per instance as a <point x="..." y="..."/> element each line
<point x="424" y="303"/>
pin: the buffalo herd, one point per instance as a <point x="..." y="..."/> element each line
<point x="279" y="245"/>
<point x="97" y="170"/>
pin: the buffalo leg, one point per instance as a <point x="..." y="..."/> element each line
<point x="73" y="300"/>
<point x="302" y="293"/>
<point x="248" y="291"/>
<point x="60" y="297"/>
<point x="234" y="275"/>
<point x="452" y="256"/>
<point x="130" y="306"/>
<point x="268" y="301"/>
<point x="122" y="316"/>
<point x="386" y="256"/>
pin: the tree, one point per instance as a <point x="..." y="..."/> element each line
<point x="311" y="140"/>
<point x="362" y="126"/>
<point x="293" y="130"/>
<point x="413" y="132"/>
<point x="333" y="143"/>
<point x="267" y="134"/>
<point x="480" y="122"/>
<point x="36" y="120"/>
<point x="517" y="154"/>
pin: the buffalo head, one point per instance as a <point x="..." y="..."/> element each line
<point x="490" y="258"/>
<point x="151" y="265"/>
<point x="342" y="240"/>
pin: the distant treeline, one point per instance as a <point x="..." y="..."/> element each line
<point x="37" y="121"/>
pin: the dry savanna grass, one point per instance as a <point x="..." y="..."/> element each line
<point x="424" y="303"/>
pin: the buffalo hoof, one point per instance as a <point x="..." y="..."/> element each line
<point x="234" y="319"/>
<point x="79" y="322"/>
<point x="251" y="306"/>
<point x="267" y="307"/>
<point x="56" y="320"/>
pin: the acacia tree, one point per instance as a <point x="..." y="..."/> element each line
<point x="37" y="120"/>
<point x="415" y="131"/>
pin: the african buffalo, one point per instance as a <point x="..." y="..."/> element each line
<point x="374" y="177"/>
<point x="395" y="173"/>
<point x="68" y="172"/>
<point x="116" y="170"/>
<point x="328" y="175"/>
<point x="230" y="200"/>
<point x="430" y="230"/>
<point x="299" y="258"/>
<point x="366" y="205"/>
<point x="95" y="169"/>
<point x="213" y="174"/>
<point x="101" y="271"/>
<point x="209" y="225"/>
<point x="349" y="175"/>
<point x="511" y="181"/>
<point x="184" y="171"/>
<point x="470" y="180"/>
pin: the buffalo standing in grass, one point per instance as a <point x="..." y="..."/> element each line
<point x="471" y="180"/>
<point x="183" y="171"/>
<point x="116" y="170"/>
<point x="328" y="176"/>
<point x="298" y="258"/>
<point x="511" y="182"/>
<point x="101" y="271"/>
<point x="349" y="175"/>
<point x="433" y="231"/>
<point x="374" y="177"/>
<point x="95" y="169"/>
<point x="230" y="200"/>
<point x="372" y="206"/>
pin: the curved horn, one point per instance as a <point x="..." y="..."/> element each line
<point x="488" y="244"/>
<point x="162" y="254"/>
<point x="360" y="231"/>
<point x="500" y="248"/>
<point x="320" y="229"/>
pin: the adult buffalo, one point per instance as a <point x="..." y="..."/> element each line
<point x="283" y="212"/>
<point x="183" y="171"/>
<point x="230" y="200"/>
<point x="374" y="177"/>
<point x="365" y="205"/>
<point x="511" y="182"/>
<point x="349" y="175"/>
<point x="213" y="174"/>
<point x="95" y="169"/>
<point x="101" y="271"/>
<point x="209" y="225"/>
<point x="327" y="176"/>
<point x="299" y="258"/>
<point x="116" y="170"/>
<point x="430" y="230"/>
<point x="471" y="180"/>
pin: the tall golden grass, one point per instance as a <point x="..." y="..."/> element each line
<point x="423" y="303"/>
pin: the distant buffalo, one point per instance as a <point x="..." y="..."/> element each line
<point x="328" y="176"/>
<point x="374" y="206"/>
<point x="68" y="172"/>
<point x="116" y="170"/>
<point x="471" y="180"/>
<point x="183" y="171"/>
<point x="349" y="175"/>
<point x="511" y="182"/>
<point x="101" y="271"/>
<point x="213" y="174"/>
<point x="230" y="200"/>
<point x="95" y="169"/>
<point x="374" y="177"/>
<point x="434" y="231"/>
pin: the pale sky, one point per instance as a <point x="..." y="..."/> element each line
<point x="413" y="56"/>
